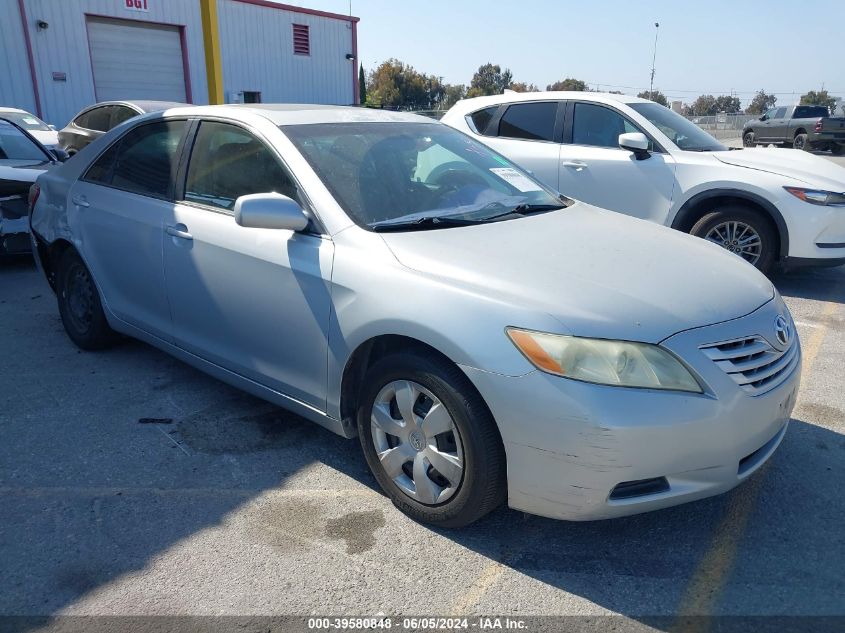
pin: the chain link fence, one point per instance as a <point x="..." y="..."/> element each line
<point x="723" y="126"/>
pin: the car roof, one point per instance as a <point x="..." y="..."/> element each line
<point x="4" y="109"/>
<point x="476" y="103"/>
<point x="302" y="113"/>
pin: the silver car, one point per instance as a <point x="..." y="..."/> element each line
<point x="389" y="277"/>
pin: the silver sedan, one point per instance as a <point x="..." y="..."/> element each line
<point x="386" y="276"/>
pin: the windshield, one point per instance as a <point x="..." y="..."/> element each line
<point x="417" y="173"/>
<point x="26" y="120"/>
<point x="15" y="145"/>
<point x="682" y="132"/>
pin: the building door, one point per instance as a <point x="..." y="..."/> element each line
<point x="136" y="60"/>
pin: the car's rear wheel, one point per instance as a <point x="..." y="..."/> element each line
<point x="837" y="149"/>
<point x="430" y="440"/>
<point x="79" y="304"/>
<point x="742" y="231"/>
<point x="800" y="142"/>
<point x="748" y="139"/>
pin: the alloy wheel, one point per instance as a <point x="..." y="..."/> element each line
<point x="739" y="238"/>
<point x="417" y="442"/>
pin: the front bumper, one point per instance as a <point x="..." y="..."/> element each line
<point x="570" y="444"/>
<point x="815" y="232"/>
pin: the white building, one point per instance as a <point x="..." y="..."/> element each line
<point x="59" y="56"/>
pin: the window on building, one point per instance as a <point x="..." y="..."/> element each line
<point x="228" y="162"/>
<point x="252" y="96"/>
<point x="534" y="121"/>
<point x="301" y="39"/>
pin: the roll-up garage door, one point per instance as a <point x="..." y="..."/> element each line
<point x="136" y="60"/>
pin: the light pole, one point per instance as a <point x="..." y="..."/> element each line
<point x="653" y="59"/>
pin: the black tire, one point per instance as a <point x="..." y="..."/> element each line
<point x="800" y="142"/>
<point x="79" y="304"/>
<point x="837" y="149"/>
<point x="764" y="228"/>
<point x="748" y="139"/>
<point x="483" y="485"/>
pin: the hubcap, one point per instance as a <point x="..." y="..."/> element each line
<point x="738" y="238"/>
<point x="417" y="442"/>
<point x="80" y="299"/>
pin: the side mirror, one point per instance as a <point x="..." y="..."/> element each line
<point x="635" y="142"/>
<point x="60" y="154"/>
<point x="765" y="117"/>
<point x="270" y="211"/>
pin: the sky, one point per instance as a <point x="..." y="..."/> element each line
<point x="704" y="47"/>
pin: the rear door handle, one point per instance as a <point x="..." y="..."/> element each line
<point x="180" y="231"/>
<point x="80" y="201"/>
<point x="577" y="164"/>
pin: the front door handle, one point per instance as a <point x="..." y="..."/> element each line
<point x="180" y="231"/>
<point x="577" y="164"/>
<point x="80" y="201"/>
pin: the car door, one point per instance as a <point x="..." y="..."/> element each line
<point x="526" y="134"/>
<point x="774" y="128"/>
<point x="120" y="206"/>
<point x="255" y="301"/>
<point x="593" y="167"/>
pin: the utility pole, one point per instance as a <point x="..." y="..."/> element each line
<point x="653" y="59"/>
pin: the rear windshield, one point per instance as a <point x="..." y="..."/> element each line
<point x="809" y="112"/>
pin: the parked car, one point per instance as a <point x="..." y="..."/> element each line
<point x="43" y="133"/>
<point x="387" y="276"/>
<point x="22" y="160"/>
<point x="96" y="120"/>
<point x="808" y="127"/>
<point x="638" y="157"/>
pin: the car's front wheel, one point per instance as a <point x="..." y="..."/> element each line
<point x="430" y="440"/>
<point x="742" y="231"/>
<point x="79" y="304"/>
<point x="748" y="139"/>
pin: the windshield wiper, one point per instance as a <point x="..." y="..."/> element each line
<point x="527" y="209"/>
<point x="425" y="222"/>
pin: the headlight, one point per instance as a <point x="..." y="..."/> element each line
<point x="617" y="363"/>
<point x="817" y="196"/>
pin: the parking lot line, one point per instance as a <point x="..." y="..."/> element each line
<point x="473" y="595"/>
<point x="708" y="581"/>
<point x="68" y="491"/>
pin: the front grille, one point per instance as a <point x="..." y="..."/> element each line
<point x="753" y="363"/>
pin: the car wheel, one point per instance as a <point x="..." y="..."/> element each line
<point x="79" y="304"/>
<point x="748" y="139"/>
<point x="743" y="232"/>
<point x="800" y="142"/>
<point x="430" y="440"/>
<point x="837" y="149"/>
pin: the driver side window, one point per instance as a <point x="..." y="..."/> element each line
<point x="600" y="126"/>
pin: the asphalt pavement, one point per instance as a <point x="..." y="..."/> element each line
<point x="221" y="504"/>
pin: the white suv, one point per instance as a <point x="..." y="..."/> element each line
<point x="640" y="158"/>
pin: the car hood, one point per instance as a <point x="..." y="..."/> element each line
<point x="599" y="273"/>
<point x="815" y="171"/>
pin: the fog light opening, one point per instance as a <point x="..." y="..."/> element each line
<point x="639" y="488"/>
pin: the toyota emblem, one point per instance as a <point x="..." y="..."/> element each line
<point x="783" y="332"/>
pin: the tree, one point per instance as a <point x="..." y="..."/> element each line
<point x="818" y="98"/>
<point x="705" y="105"/>
<point x="569" y="83"/>
<point x="452" y="94"/>
<point x="656" y="96"/>
<point x="761" y="103"/>
<point x="521" y="86"/>
<point x="396" y="85"/>
<point x="362" y="85"/>
<point x="728" y="104"/>
<point x="489" y="80"/>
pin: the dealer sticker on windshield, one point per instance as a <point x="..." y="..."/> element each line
<point x="515" y="179"/>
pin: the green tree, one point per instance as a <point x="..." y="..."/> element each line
<point x="489" y="79"/>
<point x="705" y="105"/>
<point x="362" y="85"/>
<point x="656" y="96"/>
<point x="761" y="103"/>
<point x="728" y="104"/>
<point x="397" y="85"/>
<point x="818" y="98"/>
<point x="452" y="94"/>
<point x="521" y="86"/>
<point x="568" y="84"/>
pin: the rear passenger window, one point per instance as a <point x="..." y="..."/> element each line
<point x="533" y="121"/>
<point x="96" y="119"/>
<point x="482" y="118"/>
<point x="143" y="161"/>
<point x="228" y="162"/>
